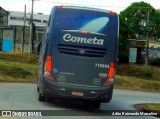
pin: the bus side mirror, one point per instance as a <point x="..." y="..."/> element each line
<point x="38" y="48"/>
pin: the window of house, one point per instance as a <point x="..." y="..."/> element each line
<point x="13" y="18"/>
<point x="36" y="20"/>
<point x="1" y="19"/>
<point x="45" y="21"/>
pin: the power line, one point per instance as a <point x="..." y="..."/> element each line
<point x="91" y="5"/>
<point x="67" y="3"/>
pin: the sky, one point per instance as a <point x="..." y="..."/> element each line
<point x="45" y="6"/>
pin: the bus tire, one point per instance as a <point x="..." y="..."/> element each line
<point x="37" y="88"/>
<point x="41" y="98"/>
<point x="50" y="100"/>
<point x="96" y="105"/>
<point x="87" y="104"/>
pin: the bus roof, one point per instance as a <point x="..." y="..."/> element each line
<point x="86" y="8"/>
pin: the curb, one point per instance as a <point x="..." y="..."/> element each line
<point x="149" y="111"/>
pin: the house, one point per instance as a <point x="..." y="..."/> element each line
<point x="3" y="23"/>
<point x="16" y="18"/>
<point x="3" y="17"/>
<point x="14" y="36"/>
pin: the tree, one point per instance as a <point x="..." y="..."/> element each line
<point x="136" y="17"/>
<point x="123" y="33"/>
<point x="156" y="31"/>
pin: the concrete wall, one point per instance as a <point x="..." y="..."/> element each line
<point x="153" y="53"/>
<point x="22" y="38"/>
<point x="1" y="39"/>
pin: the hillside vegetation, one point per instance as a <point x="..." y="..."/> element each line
<point x="17" y="67"/>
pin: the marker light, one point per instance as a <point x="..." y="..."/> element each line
<point x="111" y="12"/>
<point x="61" y="6"/>
<point x="84" y="32"/>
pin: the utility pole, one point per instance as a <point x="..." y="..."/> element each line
<point x="147" y="38"/>
<point x="24" y="29"/>
<point x="31" y="29"/>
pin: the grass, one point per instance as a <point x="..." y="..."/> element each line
<point x="15" y="67"/>
<point x="15" y="71"/>
<point x="139" y="71"/>
<point x="153" y="107"/>
<point x="19" y="57"/>
<point x="138" y="77"/>
<point x="132" y="83"/>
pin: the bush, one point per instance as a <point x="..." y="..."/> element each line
<point x="14" y="71"/>
<point x="138" y="71"/>
<point x="155" y="62"/>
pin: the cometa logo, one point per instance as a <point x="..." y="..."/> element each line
<point x="69" y="38"/>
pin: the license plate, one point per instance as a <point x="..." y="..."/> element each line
<point x="76" y="93"/>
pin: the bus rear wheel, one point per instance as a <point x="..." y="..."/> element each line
<point x="50" y="99"/>
<point x="92" y="104"/>
<point x="41" y="98"/>
<point x="96" y="104"/>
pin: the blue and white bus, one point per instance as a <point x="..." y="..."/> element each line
<point x="78" y="55"/>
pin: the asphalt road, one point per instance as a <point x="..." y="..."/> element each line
<point x="24" y="96"/>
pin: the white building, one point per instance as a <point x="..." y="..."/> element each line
<point x="17" y="18"/>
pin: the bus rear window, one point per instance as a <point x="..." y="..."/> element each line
<point x="83" y="20"/>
